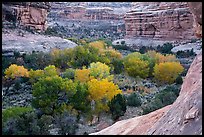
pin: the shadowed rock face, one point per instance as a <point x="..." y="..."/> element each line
<point x="195" y="8"/>
<point x="32" y="14"/>
<point x="183" y="117"/>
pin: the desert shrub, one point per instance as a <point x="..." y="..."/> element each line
<point x="121" y="47"/>
<point x="179" y="80"/>
<point x="118" y="66"/>
<point x="166" y="97"/>
<point x="51" y="31"/>
<point x="61" y="57"/>
<point x="17" y="84"/>
<point x="69" y="73"/>
<point x="15" y="71"/>
<point x="16" y="54"/>
<point x="6" y="62"/>
<point x="44" y="122"/>
<point x="75" y="40"/>
<point x="143" y="49"/>
<point x="172" y="88"/>
<point x="167" y="72"/>
<point x="185" y="54"/>
<point x="152" y="106"/>
<point x="117" y="106"/>
<point x="37" y="60"/>
<point x="134" y="100"/>
<point x="14" y="112"/>
<point x="27" y="124"/>
<point x="184" y="72"/>
<point x="66" y="123"/>
<point x="163" y="98"/>
<point x="166" y="48"/>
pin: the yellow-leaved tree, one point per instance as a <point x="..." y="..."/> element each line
<point x="14" y="71"/>
<point x="165" y="58"/>
<point x="112" y="53"/>
<point x="48" y="71"/>
<point x="101" y="91"/>
<point x="167" y="72"/>
<point x="98" y="44"/>
<point x="100" y="71"/>
<point x="134" y="66"/>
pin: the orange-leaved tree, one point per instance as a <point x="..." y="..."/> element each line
<point x="82" y="75"/>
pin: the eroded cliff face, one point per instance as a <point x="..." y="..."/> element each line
<point x="160" y="20"/>
<point x="184" y="116"/>
<point x="32" y="14"/>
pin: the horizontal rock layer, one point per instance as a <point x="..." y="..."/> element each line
<point x="160" y="20"/>
<point x="31" y="14"/>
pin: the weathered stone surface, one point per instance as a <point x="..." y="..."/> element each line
<point x="188" y="46"/>
<point x="11" y="41"/>
<point x="32" y="14"/>
<point x="134" y="126"/>
<point x="160" y="20"/>
<point x="197" y="16"/>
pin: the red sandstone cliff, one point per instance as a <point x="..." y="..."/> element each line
<point x="32" y="14"/>
<point x="184" y="116"/>
<point x="160" y="20"/>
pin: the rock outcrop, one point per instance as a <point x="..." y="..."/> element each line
<point x="197" y="16"/>
<point x="160" y="20"/>
<point x="11" y="41"/>
<point x="183" y="117"/>
<point x="31" y="14"/>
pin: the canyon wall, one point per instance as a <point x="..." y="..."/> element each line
<point x="160" y="20"/>
<point x="184" y="116"/>
<point x="83" y="13"/>
<point x="31" y="14"/>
